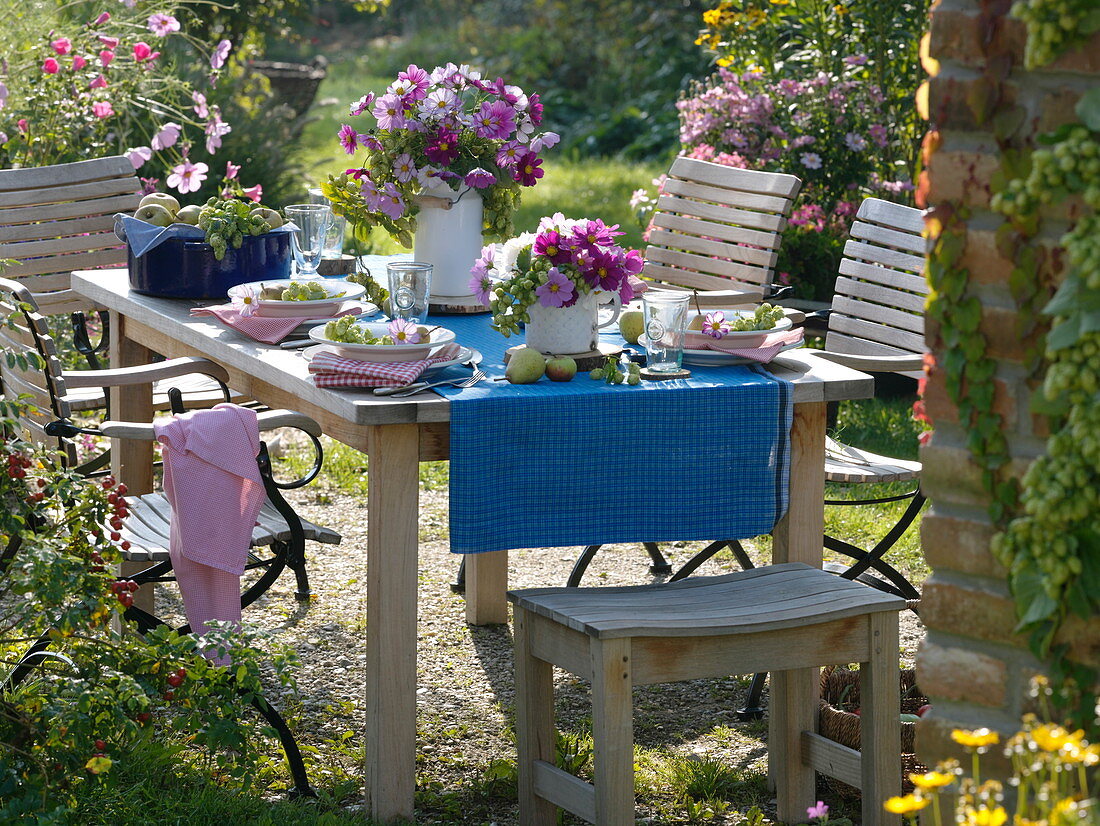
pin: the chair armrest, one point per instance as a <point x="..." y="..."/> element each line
<point x="268" y="420"/>
<point x="145" y="373"/>
<point x="875" y="364"/>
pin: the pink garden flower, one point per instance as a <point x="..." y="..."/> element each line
<point x="50" y="66"/>
<point x="479" y="178"/>
<point x="220" y="54"/>
<point x="403" y="168"/>
<point x="528" y="169"/>
<point x="3" y="95"/>
<point x="443" y="149"/>
<point x="79" y="62"/>
<point x="557" y="290"/>
<point x="100" y="82"/>
<point x="163" y="25"/>
<point x="105" y="58"/>
<point x="143" y="52"/>
<point x="166" y="137"/>
<point x="715" y="324"/>
<point x="363" y="104"/>
<point x="102" y="109"/>
<point x="231" y="170"/>
<point x="109" y="42"/>
<point x="349" y="138"/>
<point x="254" y="193"/>
<point x="24" y="127"/>
<point x="187" y="176"/>
<point x="509" y="153"/>
<point x="103" y="18"/>
<point x="392" y="204"/>
<point x="811" y="160"/>
<point x="138" y="156"/>
<point x="200" y="107"/>
<point x="389" y="112"/>
<point x="215" y="129"/>
<point x="62" y="45"/>
<point x="494" y="120"/>
<point x="403" y="331"/>
<point x="547" y="140"/>
<point x="418" y="78"/>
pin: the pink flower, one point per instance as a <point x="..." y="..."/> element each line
<point x="3" y="95"/>
<point x="392" y="204"/>
<point x="62" y="45"/>
<point x="363" y="104"/>
<point x="79" y="62"/>
<point x="201" y="109"/>
<point x="231" y="170"/>
<point x="528" y="169"/>
<point x="220" y="54"/>
<point x="254" y="193"/>
<point x="494" y="120"/>
<point x="403" y="331"/>
<point x="557" y="290"/>
<point x="187" y="176"/>
<point x="138" y="156"/>
<point x="23" y="126"/>
<point x="105" y="58"/>
<point x="102" y="109"/>
<point x="246" y="299"/>
<point x="389" y="112"/>
<point x="167" y="136"/>
<point x="103" y="18"/>
<point x="109" y="42"/>
<point x="546" y="140"/>
<point x="100" y="82"/>
<point x="349" y="138"/>
<point x="811" y="160"/>
<point x="50" y="66"/>
<point x="479" y="178"/>
<point x="444" y="148"/>
<point x="508" y="153"/>
<point x="403" y="168"/>
<point x="215" y="129"/>
<point x="821" y="810"/>
<point x="418" y="80"/>
<point x="715" y="324"/>
<point x="163" y="25"/>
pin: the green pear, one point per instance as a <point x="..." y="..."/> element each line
<point x="154" y="214"/>
<point x="189" y="215"/>
<point x="630" y="325"/>
<point x="525" y="366"/>
<point x="561" y="368"/>
<point x="161" y="198"/>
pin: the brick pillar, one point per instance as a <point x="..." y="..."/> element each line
<point x="972" y="666"/>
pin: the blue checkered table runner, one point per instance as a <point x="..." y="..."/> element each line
<point x="582" y="463"/>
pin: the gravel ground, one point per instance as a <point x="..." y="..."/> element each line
<point x="465" y="693"/>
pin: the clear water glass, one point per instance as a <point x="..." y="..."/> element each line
<point x="664" y="316"/>
<point x="308" y="242"/>
<point x="334" y="238"/>
<point x="410" y="284"/>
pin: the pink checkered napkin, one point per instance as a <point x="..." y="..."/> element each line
<point x="331" y="370"/>
<point x="762" y="349"/>
<point x="264" y="328"/>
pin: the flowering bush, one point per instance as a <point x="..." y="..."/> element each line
<point x="446" y="129"/>
<point x="104" y="84"/>
<point x="554" y="266"/>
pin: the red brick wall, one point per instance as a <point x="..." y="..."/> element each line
<point x="971" y="665"/>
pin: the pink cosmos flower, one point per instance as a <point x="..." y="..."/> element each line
<point x="167" y="136"/>
<point x="24" y="127"/>
<point x="481" y="285"/>
<point x="105" y="58"/>
<point x="138" y="156"/>
<point x="392" y="204"/>
<point x="479" y="178"/>
<point x="546" y="140"/>
<point x="363" y="104"/>
<point x="62" y="45"/>
<point x="878" y="134"/>
<point x="534" y="109"/>
<point x="231" y="170"/>
<point x="220" y="54"/>
<point x="389" y="112"/>
<point x="715" y="324"/>
<point x="3" y="95"/>
<point x="494" y="120"/>
<point x="855" y="141"/>
<point x="349" y="138"/>
<point x="103" y="18"/>
<point x="215" y="129"/>
<point x="550" y="244"/>
<point x="439" y="103"/>
<point x="557" y="290"/>
<point x="508" y="153"/>
<point x="79" y="62"/>
<point x="811" y="160"/>
<point x="187" y="176"/>
<point x="246" y="300"/>
<point x="109" y="42"/>
<point x="163" y="25"/>
<point x="820" y="810"/>
<point x="403" y="168"/>
<point x="528" y="169"/>
<point x="444" y="148"/>
<point x="129" y="3"/>
<point x="102" y="109"/>
<point x="254" y="193"/>
<point x="100" y="82"/>
<point x="418" y="78"/>
<point x="371" y="196"/>
<point x="605" y="270"/>
<point x="201" y="109"/>
<point x="50" y="66"/>
<point x="595" y="233"/>
<point x="403" y="331"/>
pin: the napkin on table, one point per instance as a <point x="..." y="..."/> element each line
<point x="762" y="349"/>
<point x="267" y="329"/>
<point x="331" y="370"/>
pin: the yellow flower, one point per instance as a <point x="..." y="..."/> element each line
<point x="1054" y="738"/>
<point x="840" y="9"/>
<point x="986" y="817"/>
<point x="712" y="16"/>
<point x="724" y="61"/>
<point x="931" y="780"/>
<point x="905" y="805"/>
<point x="979" y="738"/>
<point x="1065" y="812"/>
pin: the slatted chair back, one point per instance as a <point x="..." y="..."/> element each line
<point x="719" y="228"/>
<point x="57" y="219"/>
<point x="878" y="306"/>
<point x="41" y="387"/>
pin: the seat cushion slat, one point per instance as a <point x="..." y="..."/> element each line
<point x="886" y="257"/>
<point x="879" y="294"/>
<point x="879" y="314"/>
<point x="685" y="229"/>
<point x="745" y="180"/>
<point x="759" y="227"/>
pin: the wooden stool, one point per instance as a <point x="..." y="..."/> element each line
<point x="776" y="618"/>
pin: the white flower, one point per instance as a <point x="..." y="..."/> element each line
<point x="855" y="142"/>
<point x="511" y="250"/>
<point x="811" y="160"/>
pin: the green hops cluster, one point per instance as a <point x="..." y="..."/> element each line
<point x="376" y="293"/>
<point x="1072" y="164"/>
<point x="764" y="317"/>
<point x="511" y="299"/>
<point x="612" y="373"/>
<point x="227" y="222"/>
<point x="1053" y="26"/>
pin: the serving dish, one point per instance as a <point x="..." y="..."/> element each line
<point x="319" y="309"/>
<point x="383" y="352"/>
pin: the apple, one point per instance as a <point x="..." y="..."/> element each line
<point x="630" y="325"/>
<point x="189" y="215"/>
<point x="561" y="368"/>
<point x="273" y="219"/>
<point x="526" y="366"/>
<point x="927" y="707"/>
<point x="163" y="199"/>
<point x="154" y="214"/>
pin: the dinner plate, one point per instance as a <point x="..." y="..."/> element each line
<point x="744" y="335"/>
<point x="463" y="355"/>
<point x="338" y="290"/>
<point x="383" y="352"/>
<point x="716" y="358"/>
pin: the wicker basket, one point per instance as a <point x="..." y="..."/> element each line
<point x="840" y="691"/>
<point x="293" y="84"/>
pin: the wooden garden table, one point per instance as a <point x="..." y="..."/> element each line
<point x="396" y="434"/>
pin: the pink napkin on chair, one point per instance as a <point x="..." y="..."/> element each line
<point x="213" y="484"/>
<point x="331" y="370"/>
<point x="268" y="329"/>
<point x="761" y="349"/>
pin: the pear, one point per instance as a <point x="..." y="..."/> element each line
<point x="163" y="199"/>
<point x="630" y="325"/>
<point x="189" y="215"/>
<point x="154" y="214"/>
<point x="525" y="366"/>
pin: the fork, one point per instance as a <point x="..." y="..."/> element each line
<point x="469" y="381"/>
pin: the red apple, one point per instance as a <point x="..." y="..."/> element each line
<point x="927" y="707"/>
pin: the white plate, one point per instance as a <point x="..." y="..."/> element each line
<point x="382" y="352"/>
<point x="741" y="335"/>
<point x="368" y="311"/>
<point x="338" y="290"/>
<point x="716" y="358"/>
<point x="463" y="354"/>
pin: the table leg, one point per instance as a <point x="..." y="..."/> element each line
<point x="132" y="459"/>
<point x="486" y="588"/>
<point x="393" y="490"/>
<point x="798" y="538"/>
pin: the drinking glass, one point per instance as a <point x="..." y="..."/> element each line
<point x="664" y="316"/>
<point x="308" y="242"/>
<point x="410" y="284"/>
<point x="334" y="238"/>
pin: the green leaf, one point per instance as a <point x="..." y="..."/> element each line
<point x="1065" y="334"/>
<point x="1088" y="108"/>
<point x="1041" y="607"/>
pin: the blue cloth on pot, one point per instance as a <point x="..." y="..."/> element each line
<point x="556" y="464"/>
<point x="143" y="236"/>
